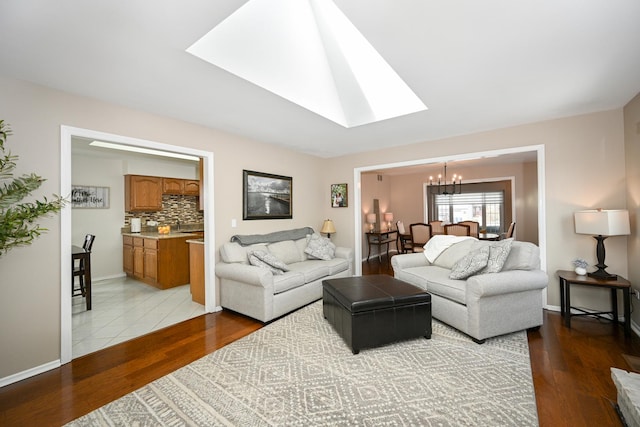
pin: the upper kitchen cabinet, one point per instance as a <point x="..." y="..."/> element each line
<point x="191" y="187"/>
<point x="187" y="187"/>
<point x="142" y="193"/>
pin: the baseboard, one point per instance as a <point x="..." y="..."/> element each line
<point x="29" y="373"/>
<point x="113" y="276"/>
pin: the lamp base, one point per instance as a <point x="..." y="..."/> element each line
<point x="603" y="275"/>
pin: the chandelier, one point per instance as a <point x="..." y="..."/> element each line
<point x="444" y="187"/>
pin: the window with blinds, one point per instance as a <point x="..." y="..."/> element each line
<point x="488" y="203"/>
<point x="485" y="208"/>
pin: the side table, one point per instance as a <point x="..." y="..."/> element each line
<point x="568" y="278"/>
<point x="379" y="238"/>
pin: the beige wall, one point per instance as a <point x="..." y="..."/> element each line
<point x="632" y="151"/>
<point x="585" y="167"/>
<point x="30" y="276"/>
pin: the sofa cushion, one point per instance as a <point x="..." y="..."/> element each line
<point x="336" y="265"/>
<point x="311" y="269"/>
<point x="233" y="252"/>
<point x="454" y="253"/>
<point x="320" y="247"/>
<point x="301" y="244"/>
<point x="523" y="256"/>
<point x="436" y="280"/>
<point x="255" y="260"/>
<point x="286" y="251"/>
<point x="470" y="264"/>
<point x="270" y="259"/>
<point x="498" y="253"/>
<point x="287" y="281"/>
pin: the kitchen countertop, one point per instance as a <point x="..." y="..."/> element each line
<point x="156" y="235"/>
<point x="199" y="241"/>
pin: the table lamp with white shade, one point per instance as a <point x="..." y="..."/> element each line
<point x="601" y="223"/>
<point x="388" y="217"/>
<point x="371" y="220"/>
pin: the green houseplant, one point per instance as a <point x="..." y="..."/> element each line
<point x="18" y="219"/>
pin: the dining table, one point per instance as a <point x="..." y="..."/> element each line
<point x="79" y="253"/>
<point x="488" y="236"/>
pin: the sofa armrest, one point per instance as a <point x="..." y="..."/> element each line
<point x="245" y="273"/>
<point x="505" y="282"/>
<point x="402" y="261"/>
<point x="346" y="253"/>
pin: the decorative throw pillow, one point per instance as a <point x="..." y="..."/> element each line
<point x="498" y="253"/>
<point x="470" y="264"/>
<point x="320" y="248"/>
<point x="264" y="259"/>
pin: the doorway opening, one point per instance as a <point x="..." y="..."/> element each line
<point x="484" y="156"/>
<point x="70" y="133"/>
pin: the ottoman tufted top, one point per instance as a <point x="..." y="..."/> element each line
<point x="365" y="293"/>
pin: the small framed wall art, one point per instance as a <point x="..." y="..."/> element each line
<point x="85" y="196"/>
<point x="339" y="196"/>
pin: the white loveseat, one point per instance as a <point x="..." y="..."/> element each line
<point x="265" y="293"/>
<point x="483" y="305"/>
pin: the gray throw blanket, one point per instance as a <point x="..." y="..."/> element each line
<point x="276" y="236"/>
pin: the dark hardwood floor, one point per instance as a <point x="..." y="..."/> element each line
<point x="571" y="369"/>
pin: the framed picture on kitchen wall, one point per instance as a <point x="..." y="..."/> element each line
<point x="91" y="197"/>
<point x="339" y="196"/>
<point x="266" y="196"/>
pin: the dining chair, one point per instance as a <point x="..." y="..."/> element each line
<point x="457" y="229"/>
<point x="474" y="227"/>
<point x="420" y="235"/>
<point x="79" y="269"/>
<point x="437" y="227"/>
<point x="404" y="243"/>
<point x="509" y="233"/>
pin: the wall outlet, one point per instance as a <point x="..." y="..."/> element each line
<point x="635" y="293"/>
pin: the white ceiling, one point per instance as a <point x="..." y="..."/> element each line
<point x="477" y="65"/>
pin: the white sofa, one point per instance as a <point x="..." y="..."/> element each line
<point x="266" y="294"/>
<point x="485" y="304"/>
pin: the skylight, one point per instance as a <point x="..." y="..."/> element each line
<point x="309" y="53"/>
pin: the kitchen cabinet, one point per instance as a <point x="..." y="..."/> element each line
<point x="187" y="187"/>
<point x="160" y="262"/>
<point x="127" y="255"/>
<point x="142" y="193"/>
<point x="172" y="186"/>
<point x="196" y="270"/>
<point x="191" y="187"/>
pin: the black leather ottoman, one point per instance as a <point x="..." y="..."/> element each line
<point x="370" y="311"/>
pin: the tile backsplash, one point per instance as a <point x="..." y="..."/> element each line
<point x="174" y="208"/>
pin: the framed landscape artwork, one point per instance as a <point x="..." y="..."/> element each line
<point x="266" y="196"/>
<point x="339" y="196"/>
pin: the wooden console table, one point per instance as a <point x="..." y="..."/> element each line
<point x="568" y="278"/>
<point x="379" y="238"/>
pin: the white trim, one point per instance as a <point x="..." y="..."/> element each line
<point x="31" y="372"/>
<point x="66" y="134"/>
<point x="542" y="224"/>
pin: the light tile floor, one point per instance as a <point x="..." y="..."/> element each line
<point x="123" y="309"/>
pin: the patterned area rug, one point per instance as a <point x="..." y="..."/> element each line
<point x="298" y="371"/>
